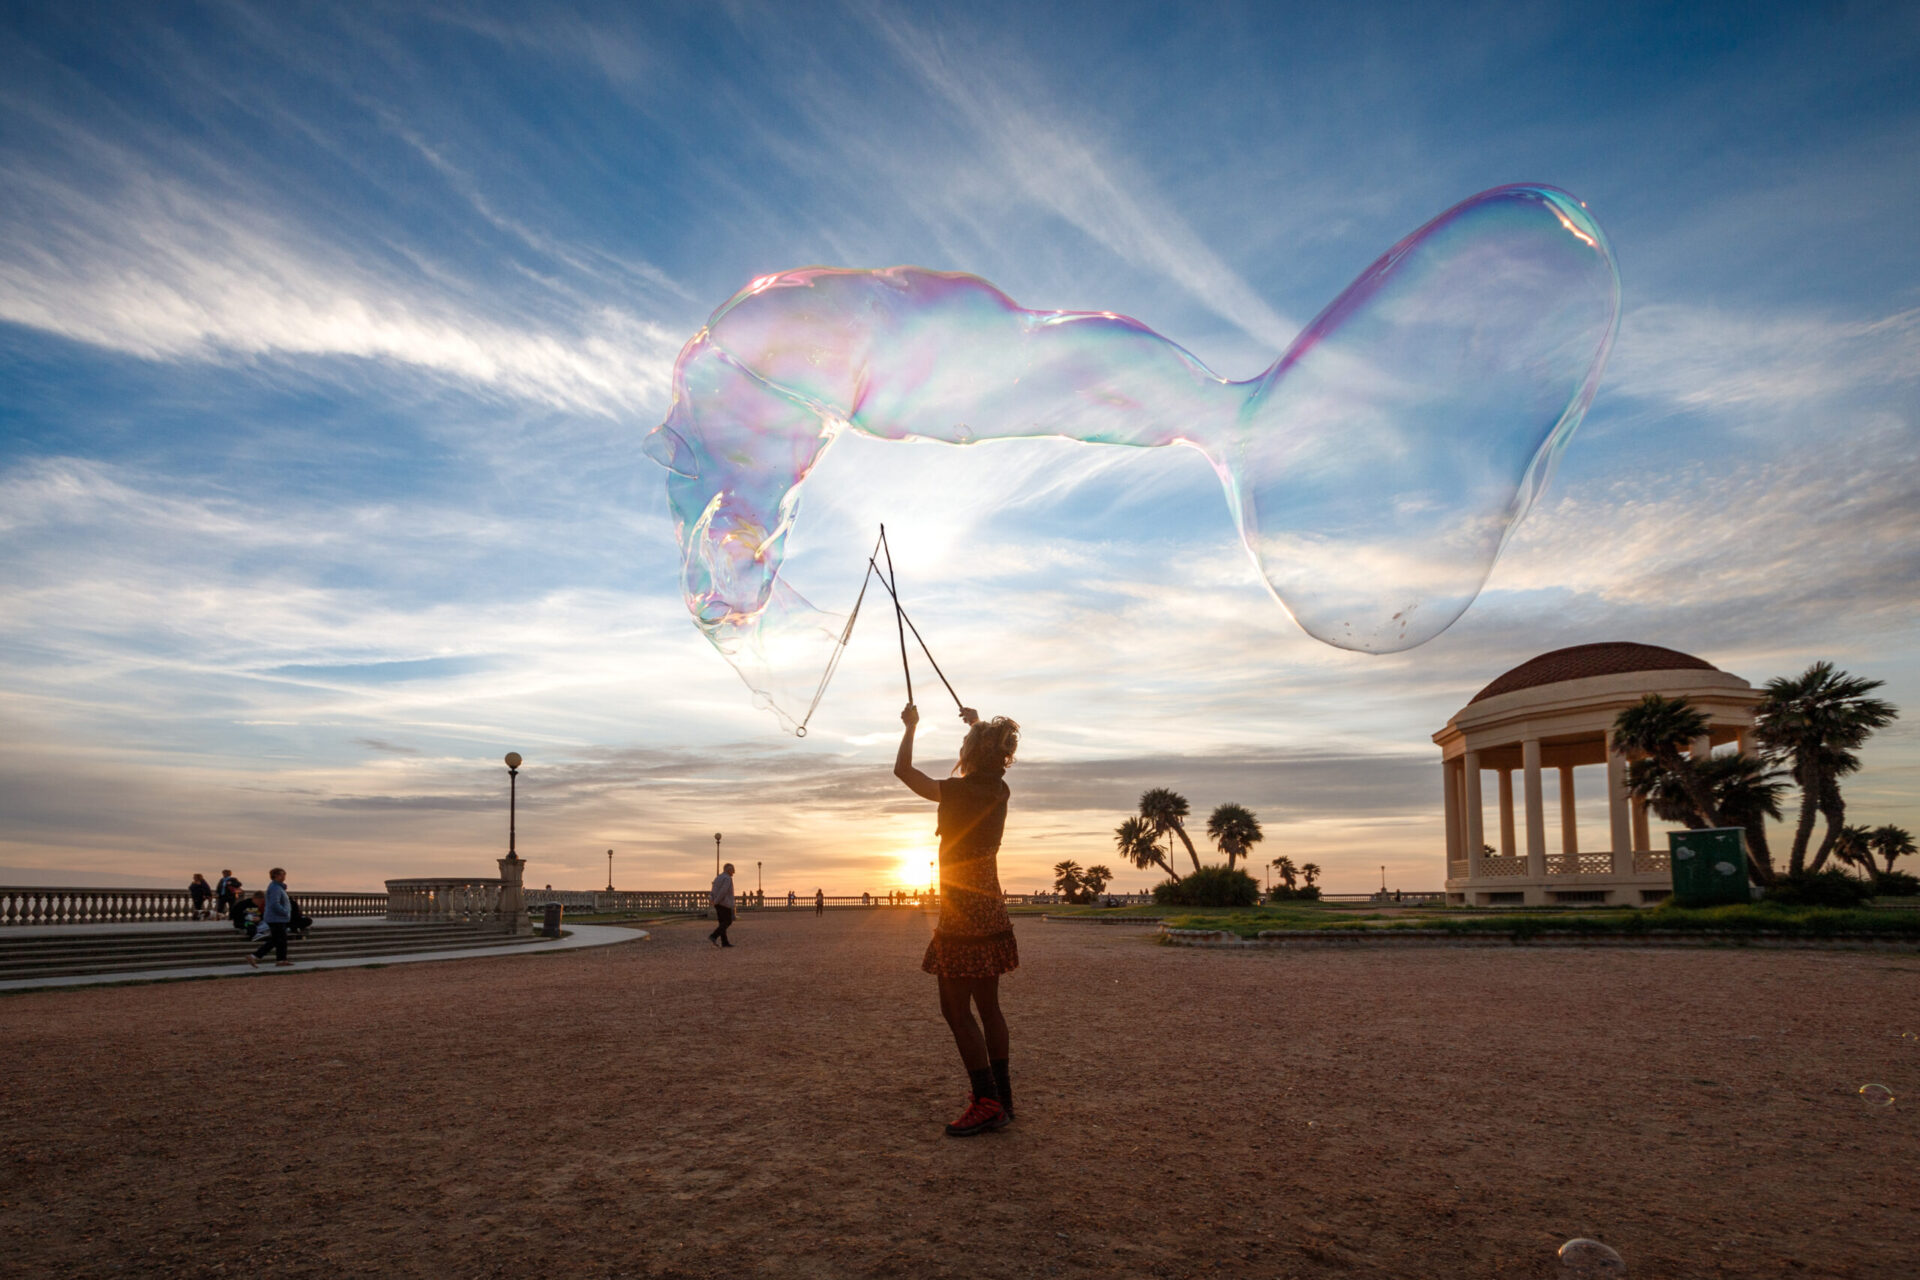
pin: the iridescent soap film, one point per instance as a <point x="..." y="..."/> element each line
<point x="1375" y="470"/>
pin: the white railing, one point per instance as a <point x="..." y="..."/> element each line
<point x="444" y="899"/>
<point x="60" y="905"/>
<point x="600" y="900"/>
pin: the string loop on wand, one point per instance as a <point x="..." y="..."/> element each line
<point x="902" y="623"/>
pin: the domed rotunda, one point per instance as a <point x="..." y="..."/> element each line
<point x="1556" y="713"/>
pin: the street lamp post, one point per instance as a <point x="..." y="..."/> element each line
<point x="716" y="854"/>
<point x="609" y="871"/>
<point x="513" y="798"/>
<point x="759" y="881"/>
<point x="513" y="902"/>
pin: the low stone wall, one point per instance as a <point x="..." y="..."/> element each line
<point x="58" y="905"/>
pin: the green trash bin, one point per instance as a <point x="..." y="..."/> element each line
<point x="1709" y="866"/>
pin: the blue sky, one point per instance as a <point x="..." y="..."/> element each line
<point x="328" y="337"/>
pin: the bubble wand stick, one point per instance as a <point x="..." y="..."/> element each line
<point x="900" y="612"/>
<point x="899" y="616"/>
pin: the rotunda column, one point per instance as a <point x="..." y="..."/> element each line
<point x="1450" y="799"/>
<point x="1618" y="819"/>
<point x="1569" y="820"/>
<point x="1476" y="835"/>
<point x="1536" y="810"/>
<point x="1507" y="841"/>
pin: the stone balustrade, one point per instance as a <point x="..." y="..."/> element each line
<point x="64" y="905"/>
<point x="600" y="900"/>
<point x="444" y="899"/>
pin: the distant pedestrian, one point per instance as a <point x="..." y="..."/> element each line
<point x="276" y="916"/>
<point x="790" y="897"/>
<point x="722" y="899"/>
<point x="819" y="902"/>
<point x="200" y="891"/>
<point x="225" y="890"/>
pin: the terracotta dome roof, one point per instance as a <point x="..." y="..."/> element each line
<point x="1608" y="659"/>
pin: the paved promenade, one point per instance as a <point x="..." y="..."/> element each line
<point x="669" y="1110"/>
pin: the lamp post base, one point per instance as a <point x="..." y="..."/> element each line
<point x="513" y="898"/>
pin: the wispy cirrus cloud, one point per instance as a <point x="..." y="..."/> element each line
<point x="1771" y="360"/>
<point x="142" y="264"/>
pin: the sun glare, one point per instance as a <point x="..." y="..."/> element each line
<point x="914" y="868"/>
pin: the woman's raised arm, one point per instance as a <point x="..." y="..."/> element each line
<point x="917" y="782"/>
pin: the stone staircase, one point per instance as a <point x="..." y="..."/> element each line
<point x="106" y="950"/>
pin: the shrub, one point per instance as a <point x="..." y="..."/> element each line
<point x="1898" y="884"/>
<point x="1210" y="887"/>
<point x="1307" y="893"/>
<point x="1822" y="889"/>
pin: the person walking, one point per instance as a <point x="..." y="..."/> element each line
<point x="199" y="890"/>
<point x="973" y="942"/>
<point x="722" y="899"/>
<point x="225" y="890"/>
<point x="819" y="902"/>
<point x="277" y="915"/>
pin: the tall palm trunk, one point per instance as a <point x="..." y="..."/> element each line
<point x="1181" y="831"/>
<point x="1757" y="852"/>
<point x="1808" y="776"/>
<point x="1834" y="810"/>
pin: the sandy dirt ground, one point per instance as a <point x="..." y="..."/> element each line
<point x="664" y="1109"/>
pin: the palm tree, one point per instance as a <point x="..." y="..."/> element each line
<point x="1891" y="842"/>
<point x="1660" y="727"/>
<point x="1288" y="873"/>
<point x="1136" y="839"/>
<point x="1167" y="811"/>
<point x="1095" y="879"/>
<point x="1745" y="789"/>
<point x="1066" y="878"/>
<point x="1234" y="830"/>
<point x="1309" y="871"/>
<point x="1815" y="720"/>
<point x="1648" y="779"/>
<point x="1853" y="847"/>
<point x="1748" y="791"/>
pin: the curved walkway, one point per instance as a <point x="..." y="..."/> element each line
<point x="577" y="936"/>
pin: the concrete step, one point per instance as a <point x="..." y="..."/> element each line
<point x="52" y="960"/>
<point x="81" y="943"/>
<point x="59" y="969"/>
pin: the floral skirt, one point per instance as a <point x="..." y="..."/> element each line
<point x="956" y="955"/>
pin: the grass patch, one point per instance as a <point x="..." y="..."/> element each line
<point x="1070" y="909"/>
<point x="1731" y="921"/>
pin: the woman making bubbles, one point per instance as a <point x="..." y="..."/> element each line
<point x="973" y="943"/>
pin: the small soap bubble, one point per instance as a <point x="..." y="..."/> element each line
<point x="1584" y="1259"/>
<point x="1375" y="469"/>
<point x="1912" y="1037"/>
<point x="1876" y="1095"/>
<point x="1724" y="868"/>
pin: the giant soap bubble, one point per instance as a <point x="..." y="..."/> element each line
<point x="1375" y="470"/>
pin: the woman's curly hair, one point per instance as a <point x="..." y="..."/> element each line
<point x="990" y="744"/>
